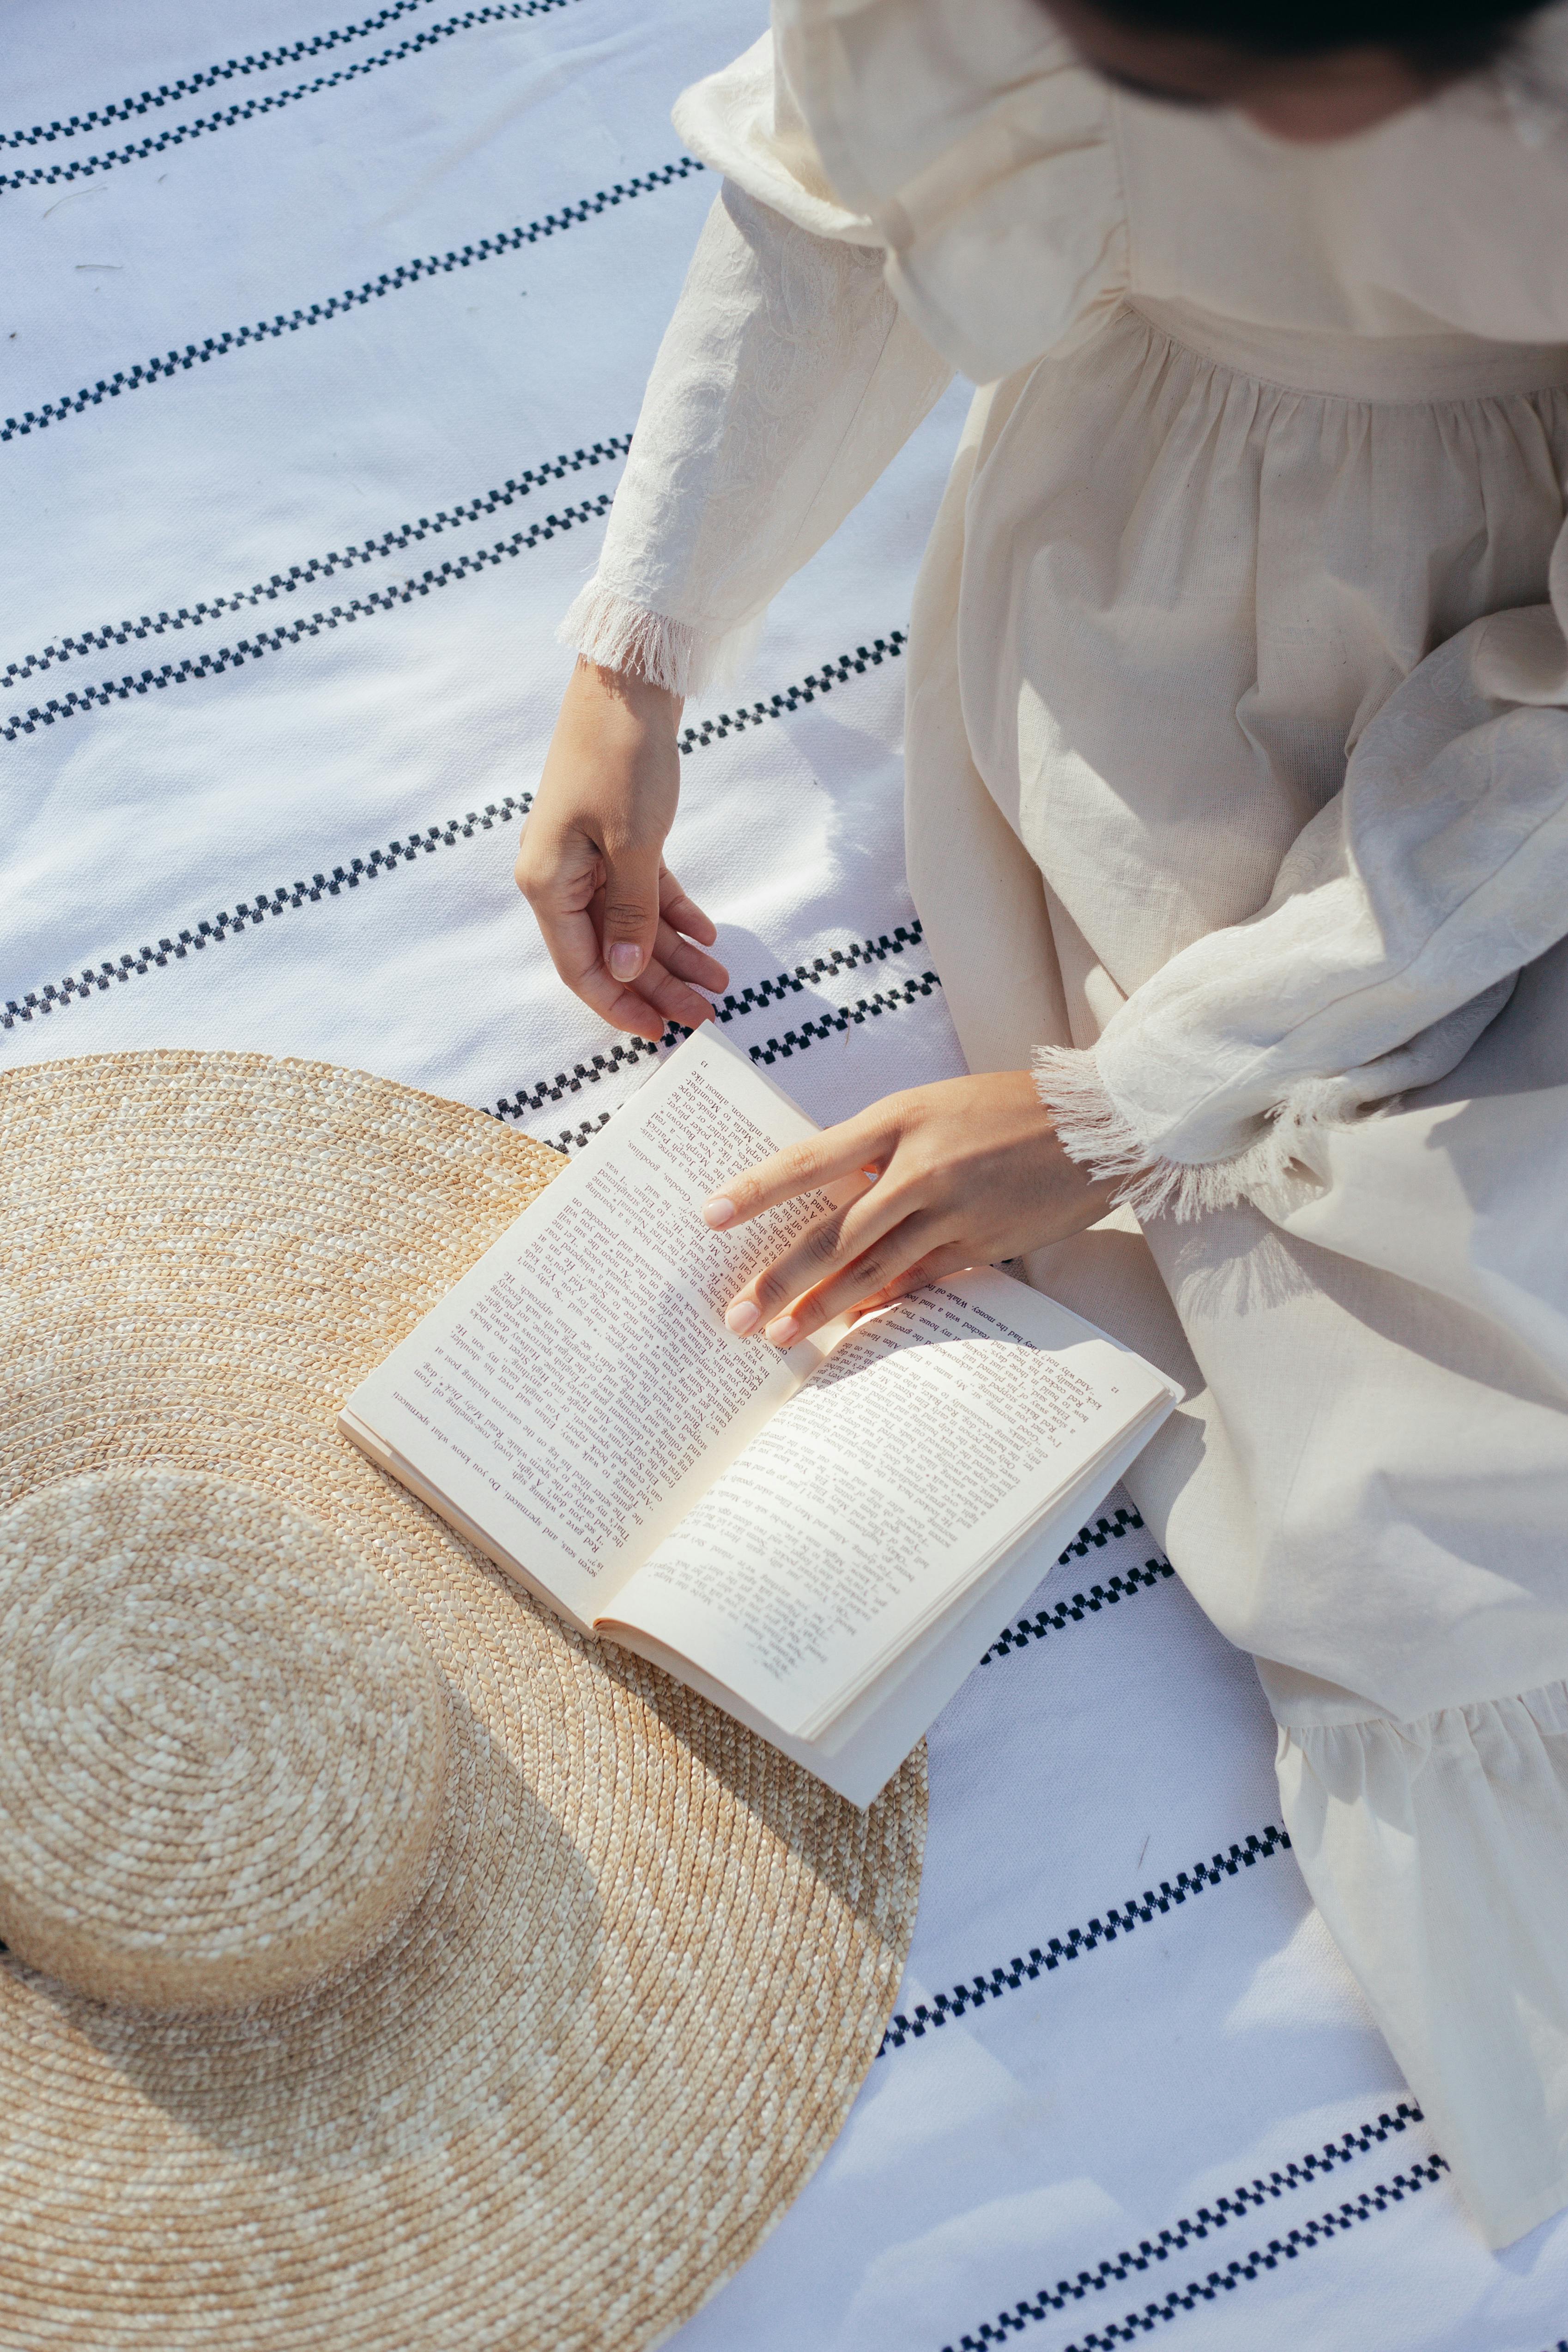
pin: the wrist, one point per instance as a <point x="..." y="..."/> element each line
<point x="643" y="699"/>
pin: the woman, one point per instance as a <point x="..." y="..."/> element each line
<point x="1237" y="818"/>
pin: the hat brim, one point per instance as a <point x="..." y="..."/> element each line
<point x="652" y="1960"/>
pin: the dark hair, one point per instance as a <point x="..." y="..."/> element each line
<point x="1440" y="38"/>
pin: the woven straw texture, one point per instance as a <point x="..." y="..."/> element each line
<point x="225" y="1753"/>
<point x="546" y="2066"/>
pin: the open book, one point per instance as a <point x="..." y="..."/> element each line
<point x="822" y="1542"/>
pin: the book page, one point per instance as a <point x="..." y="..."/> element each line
<point x="930" y="1439"/>
<point x="578" y="1389"/>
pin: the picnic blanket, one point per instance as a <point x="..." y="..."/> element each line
<point x="323" y="341"/>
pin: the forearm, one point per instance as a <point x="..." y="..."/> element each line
<point x="785" y="385"/>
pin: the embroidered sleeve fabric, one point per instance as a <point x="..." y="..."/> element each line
<point x="1396" y="930"/>
<point x="787" y="381"/>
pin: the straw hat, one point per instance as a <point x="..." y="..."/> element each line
<point x="389" y="1968"/>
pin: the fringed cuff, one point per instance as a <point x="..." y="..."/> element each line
<point x="1102" y="1139"/>
<point x="610" y="629"/>
<point x="1275" y="1146"/>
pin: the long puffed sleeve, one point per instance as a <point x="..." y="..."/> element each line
<point x="785" y="383"/>
<point x="1394" y="934"/>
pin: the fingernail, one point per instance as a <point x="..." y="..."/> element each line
<point x="718" y="1213"/>
<point x="742" y="1317"/>
<point x="625" y="959"/>
<point x="782" y="1333"/>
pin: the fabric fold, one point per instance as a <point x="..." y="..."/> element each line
<point x="1434" y="1849"/>
<point x="1287" y="1141"/>
<point x="980" y="148"/>
<point x="1399" y="920"/>
<point x="746" y="124"/>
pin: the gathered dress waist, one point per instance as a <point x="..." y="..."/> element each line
<point x="1411" y="370"/>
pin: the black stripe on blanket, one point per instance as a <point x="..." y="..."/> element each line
<point x="309" y="624"/>
<point x="945" y="2008"/>
<point x="213" y="663"/>
<point x="273" y="641"/>
<point x="1081" y="1605"/>
<point x="629" y="1050"/>
<point x="180" y="134"/>
<point x="572" y="1138"/>
<point x="1098" y="1597"/>
<point x="319" y="568"/>
<point x="120" y="110"/>
<point x="1251" y="2265"/>
<point x="1240" y="2202"/>
<point x="847" y="1016"/>
<point x="1103" y="1532"/>
<point x="53" y="997"/>
<point x="822" y="681"/>
<point x="336" y="306"/>
<point x="249" y="912"/>
<point x="776" y="1049"/>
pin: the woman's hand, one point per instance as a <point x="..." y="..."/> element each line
<point x="961" y="1174"/>
<point x="620" y="930"/>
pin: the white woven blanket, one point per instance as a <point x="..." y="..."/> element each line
<point x="322" y="339"/>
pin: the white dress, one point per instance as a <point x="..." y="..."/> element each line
<point x="1237" y="783"/>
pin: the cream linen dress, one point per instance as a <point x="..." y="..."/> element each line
<point x="1237" y="783"/>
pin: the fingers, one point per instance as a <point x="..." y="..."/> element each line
<point x="568" y="897"/>
<point x="629" y="905"/>
<point x="671" y="998"/>
<point x="666" y="982"/>
<point x="856" y="1234"/>
<point x="663" y="993"/>
<point x="591" y="848"/>
<point x="932" y="1267"/>
<point x="561" y="875"/>
<point x="628" y="1010"/>
<point x="683" y="913"/>
<point x="824" y="1158"/>
<point x="688" y="963"/>
<point x="571" y="938"/>
<point x="903" y="1259"/>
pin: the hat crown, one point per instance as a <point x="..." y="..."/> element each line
<point x="224" y="1757"/>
